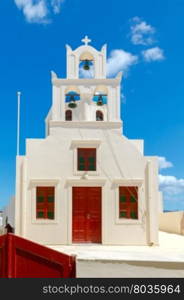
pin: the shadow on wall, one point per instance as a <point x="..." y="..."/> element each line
<point x="172" y="222"/>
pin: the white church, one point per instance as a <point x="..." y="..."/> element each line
<point x="86" y="182"/>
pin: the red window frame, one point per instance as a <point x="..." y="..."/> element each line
<point x="128" y="202"/>
<point x="86" y="159"/>
<point x="45" y="202"/>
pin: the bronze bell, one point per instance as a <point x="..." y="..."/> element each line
<point x="100" y="100"/>
<point x="72" y="103"/>
<point x="86" y="65"/>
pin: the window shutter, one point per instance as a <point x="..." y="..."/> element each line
<point x="86" y="159"/>
<point x="45" y="202"/>
<point x="128" y="202"/>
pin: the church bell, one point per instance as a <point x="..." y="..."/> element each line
<point x="100" y="100"/>
<point x="72" y="103"/>
<point x="86" y="65"/>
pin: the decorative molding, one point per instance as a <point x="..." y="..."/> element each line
<point x="128" y="181"/>
<point x="128" y="221"/>
<point x="85" y="182"/>
<point x="86" y="142"/>
<point x="87" y="124"/>
<point x="86" y="81"/>
<point x="43" y="182"/>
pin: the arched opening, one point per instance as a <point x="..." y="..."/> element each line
<point x="72" y="88"/>
<point x="86" y="65"/>
<point x="99" y="115"/>
<point x="100" y="95"/>
<point x="71" y="97"/>
<point x="68" y="115"/>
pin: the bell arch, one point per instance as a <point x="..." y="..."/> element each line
<point x="86" y="52"/>
<point x="72" y="95"/>
<point x="100" y="95"/>
<point x="86" y="65"/>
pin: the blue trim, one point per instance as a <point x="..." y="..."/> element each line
<point x="76" y="96"/>
<point x="95" y="98"/>
<point x="82" y="62"/>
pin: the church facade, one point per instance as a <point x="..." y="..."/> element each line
<point x="85" y="182"/>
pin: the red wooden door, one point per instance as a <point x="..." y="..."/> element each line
<point x="86" y="215"/>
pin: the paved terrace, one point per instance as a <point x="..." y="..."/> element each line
<point x="165" y="260"/>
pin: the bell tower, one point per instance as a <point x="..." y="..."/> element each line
<point x="86" y="97"/>
<point x="88" y="55"/>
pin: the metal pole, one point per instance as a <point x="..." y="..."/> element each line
<point x="18" y="122"/>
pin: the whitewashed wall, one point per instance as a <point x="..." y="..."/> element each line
<point x="172" y="222"/>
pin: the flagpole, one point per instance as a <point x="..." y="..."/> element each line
<point x="18" y="122"/>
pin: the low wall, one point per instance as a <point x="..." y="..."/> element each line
<point x="129" y="269"/>
<point x="172" y="222"/>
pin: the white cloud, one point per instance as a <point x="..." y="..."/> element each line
<point x="120" y="60"/>
<point x="141" y="32"/>
<point x="38" y="11"/>
<point x="33" y="11"/>
<point x="153" y="54"/>
<point x="171" y="186"/>
<point x="56" y="5"/>
<point x="163" y="163"/>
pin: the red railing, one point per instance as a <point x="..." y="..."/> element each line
<point x="21" y="258"/>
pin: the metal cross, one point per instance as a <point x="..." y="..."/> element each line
<point x="86" y="40"/>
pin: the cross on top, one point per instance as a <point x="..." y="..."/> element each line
<point x="86" y="40"/>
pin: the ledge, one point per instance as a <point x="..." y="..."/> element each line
<point x="86" y="182"/>
<point x="88" y="81"/>
<point x="85" y="142"/>
<point x="43" y="181"/>
<point x="86" y="124"/>
<point x="128" y="181"/>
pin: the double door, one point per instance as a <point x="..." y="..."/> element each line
<point x="86" y="215"/>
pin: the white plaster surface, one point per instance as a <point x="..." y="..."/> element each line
<point x="98" y="261"/>
<point x="171" y="248"/>
<point x="172" y="222"/>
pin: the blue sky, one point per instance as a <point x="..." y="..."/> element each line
<point x="145" y="40"/>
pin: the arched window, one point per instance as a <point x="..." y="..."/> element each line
<point x="99" y="115"/>
<point x="100" y="95"/>
<point x="86" y="65"/>
<point x="68" y="115"/>
<point x="71" y="97"/>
